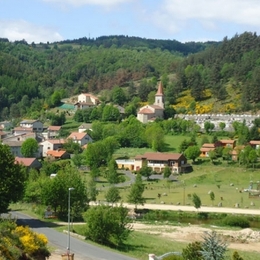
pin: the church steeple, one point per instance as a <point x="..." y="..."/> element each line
<point x="159" y="96"/>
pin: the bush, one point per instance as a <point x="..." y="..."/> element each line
<point x="236" y="221"/>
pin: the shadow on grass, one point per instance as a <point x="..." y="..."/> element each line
<point x="131" y="248"/>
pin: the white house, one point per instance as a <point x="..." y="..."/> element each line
<point x="86" y="100"/>
<point x="35" y="125"/>
<point x="80" y="138"/>
<point x="151" y="112"/>
<point x="51" y="144"/>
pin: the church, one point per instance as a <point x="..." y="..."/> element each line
<point x="149" y="113"/>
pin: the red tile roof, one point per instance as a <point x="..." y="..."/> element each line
<point x="56" y="153"/>
<point x="254" y="142"/>
<point x="146" y="110"/>
<point x="159" y="156"/>
<point x="77" y="136"/>
<point x="25" y="161"/>
<point x="227" y="141"/>
<point x="208" y="145"/>
<point x="160" y="90"/>
<point x="54" y="128"/>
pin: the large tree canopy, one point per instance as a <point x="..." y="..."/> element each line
<point x="12" y="179"/>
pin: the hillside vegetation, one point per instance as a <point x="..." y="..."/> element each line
<point x="219" y="77"/>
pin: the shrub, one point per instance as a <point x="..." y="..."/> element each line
<point x="236" y="221"/>
<point x="192" y="251"/>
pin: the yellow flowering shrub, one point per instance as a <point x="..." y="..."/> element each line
<point x="30" y="240"/>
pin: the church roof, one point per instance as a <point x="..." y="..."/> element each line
<point x="146" y="110"/>
<point x="160" y="90"/>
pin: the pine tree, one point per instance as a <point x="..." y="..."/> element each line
<point x="212" y="247"/>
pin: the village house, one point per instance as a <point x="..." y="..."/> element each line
<point x="149" y="113"/>
<point x="206" y="148"/>
<point x="255" y="144"/>
<point x="15" y="147"/>
<point x="6" y="125"/>
<point x="58" y="154"/>
<point x="35" y="125"/>
<point x="31" y="163"/>
<point x="22" y="130"/>
<point x="86" y="100"/>
<point x="84" y="127"/>
<point x="80" y="138"/>
<point x="53" y="131"/>
<point x="177" y="162"/>
<point x="228" y="143"/>
<point x="51" y="144"/>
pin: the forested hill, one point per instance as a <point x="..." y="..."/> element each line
<point x="227" y="74"/>
<point x="121" y="41"/>
<point x="32" y="76"/>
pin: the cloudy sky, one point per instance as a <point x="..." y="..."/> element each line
<point x="182" y="20"/>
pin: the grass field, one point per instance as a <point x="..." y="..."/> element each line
<point x="225" y="182"/>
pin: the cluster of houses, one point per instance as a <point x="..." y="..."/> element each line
<point x="50" y="145"/>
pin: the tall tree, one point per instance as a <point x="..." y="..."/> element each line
<point x="196" y="201"/>
<point x="12" y="179"/>
<point x="29" y="147"/>
<point x="135" y="195"/>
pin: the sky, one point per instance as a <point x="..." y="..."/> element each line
<point x="181" y="20"/>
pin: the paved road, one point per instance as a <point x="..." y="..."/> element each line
<point x="81" y="249"/>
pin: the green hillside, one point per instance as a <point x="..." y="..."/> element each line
<point x="197" y="77"/>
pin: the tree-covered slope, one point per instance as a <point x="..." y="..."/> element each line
<point x="228" y="72"/>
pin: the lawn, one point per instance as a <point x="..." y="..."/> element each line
<point x="225" y="182"/>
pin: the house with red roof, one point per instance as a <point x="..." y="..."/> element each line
<point x="58" y="154"/>
<point x="29" y="162"/>
<point x="51" y="144"/>
<point x="149" y="113"/>
<point x="206" y="148"/>
<point x="177" y="162"/>
<point x="80" y="138"/>
<point x="86" y="100"/>
<point x="53" y="131"/>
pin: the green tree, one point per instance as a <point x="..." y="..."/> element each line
<point x="212" y="247"/>
<point x="112" y="195"/>
<point x="72" y="147"/>
<point x="167" y="172"/>
<point x="183" y="146"/>
<point x="118" y="95"/>
<point x="110" y="113"/>
<point x="208" y="126"/>
<point x="192" y="251"/>
<point x="222" y="126"/>
<point x="29" y="147"/>
<point x="12" y="181"/>
<point x="107" y="225"/>
<point x="92" y="190"/>
<point x="192" y="152"/>
<point x="135" y="195"/>
<point x="146" y="171"/>
<point x="112" y="175"/>
<point x="212" y="196"/>
<point x="226" y="153"/>
<point x="196" y="201"/>
<point x="212" y="155"/>
<point x="55" y="191"/>
<point x="155" y="137"/>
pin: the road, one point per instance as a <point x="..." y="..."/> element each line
<point x="81" y="249"/>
